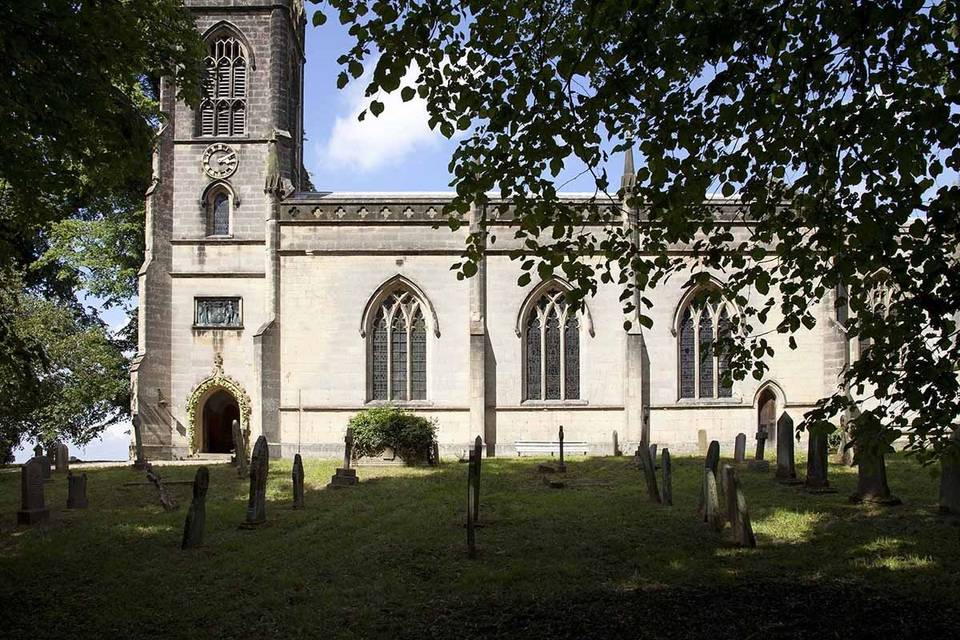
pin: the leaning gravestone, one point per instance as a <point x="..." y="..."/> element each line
<point x="650" y="475"/>
<point x="166" y="500"/>
<point x="710" y="464"/>
<point x="32" y="508"/>
<point x="240" y="449"/>
<point x="817" y="481"/>
<point x="872" y="484"/>
<point x="77" y="491"/>
<point x="711" y="510"/>
<point x="950" y="476"/>
<point x="702" y="441"/>
<point x="345" y="476"/>
<point x="193" y="526"/>
<point x="257" y="503"/>
<point x="740" y="448"/>
<point x="297" y="474"/>
<point x="140" y="462"/>
<point x="667" y="479"/>
<point x="786" y="469"/>
<point x="63" y="458"/>
<point x="737" y="511"/>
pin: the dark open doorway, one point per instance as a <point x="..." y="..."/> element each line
<point x="219" y="412"/>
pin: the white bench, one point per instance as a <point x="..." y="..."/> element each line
<point x="543" y="447"/>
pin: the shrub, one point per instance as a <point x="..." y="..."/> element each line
<point x="409" y="435"/>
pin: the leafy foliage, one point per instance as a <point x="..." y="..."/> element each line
<point x="834" y="124"/>
<point x="409" y="435"/>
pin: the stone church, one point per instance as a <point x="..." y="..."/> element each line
<point x="290" y="309"/>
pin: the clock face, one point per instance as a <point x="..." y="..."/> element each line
<point x="219" y="161"/>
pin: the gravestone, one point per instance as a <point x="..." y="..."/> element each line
<point x="712" y="460"/>
<point x="650" y="475"/>
<point x="63" y="458"/>
<point x="166" y="500"/>
<point x="193" y="526"/>
<point x="45" y="470"/>
<point x="562" y="467"/>
<point x="786" y="469"/>
<point x="950" y="477"/>
<point x="257" y="503"/>
<point x="477" y="458"/>
<point x="667" y="497"/>
<point x="32" y="508"/>
<point x="77" y="491"/>
<point x="616" y="444"/>
<point x="710" y="464"/>
<point x="297" y="474"/>
<point x="816" y="480"/>
<point x="872" y="484"/>
<point x="653" y="455"/>
<point x="239" y="449"/>
<point x="702" y="441"/>
<point x="140" y="462"/>
<point x="737" y="511"/>
<point x="471" y="506"/>
<point x="711" y="506"/>
<point x="759" y="463"/>
<point x="740" y="448"/>
<point x="435" y="453"/>
<point x="345" y="476"/>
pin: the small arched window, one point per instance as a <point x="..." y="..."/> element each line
<point x="398" y="349"/>
<point x="219" y="203"/>
<point x="702" y="366"/>
<point x="223" y="109"/>
<point x="551" y="349"/>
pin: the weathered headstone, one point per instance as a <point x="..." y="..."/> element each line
<point x="702" y="441"/>
<point x="711" y="506"/>
<point x="667" y="479"/>
<point x="759" y="463"/>
<point x="257" y="503"/>
<point x="193" y="526"/>
<point x="471" y="499"/>
<point x="786" y="469"/>
<point x="297" y="474"/>
<point x="616" y="444"/>
<point x="562" y="466"/>
<point x="653" y="455"/>
<point x="712" y="459"/>
<point x="345" y="475"/>
<point x="46" y="472"/>
<point x="737" y="511"/>
<point x="435" y="453"/>
<point x="650" y="475"/>
<point x="77" y="491"/>
<point x="816" y="480"/>
<point x="740" y="448"/>
<point x="710" y="465"/>
<point x="477" y="458"/>
<point x="872" y="484"/>
<point x="32" y="508"/>
<point x="63" y="458"/>
<point x="950" y="476"/>
<point x="240" y="449"/>
<point x="166" y="500"/>
<point x="140" y="462"/>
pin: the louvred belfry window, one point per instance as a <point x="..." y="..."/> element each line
<point x="223" y="110"/>
<point x="700" y="362"/>
<point x="398" y="349"/>
<point x="551" y="349"/>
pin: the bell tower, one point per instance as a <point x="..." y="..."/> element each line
<point x="209" y="286"/>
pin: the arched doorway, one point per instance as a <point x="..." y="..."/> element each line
<point x="767" y="414"/>
<point x="219" y="412"/>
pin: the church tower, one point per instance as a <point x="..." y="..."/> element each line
<point x="209" y="286"/>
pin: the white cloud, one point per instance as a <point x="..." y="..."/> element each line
<point x="400" y="131"/>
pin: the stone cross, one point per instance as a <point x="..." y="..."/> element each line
<point x="740" y="448"/>
<point x="32" y="509"/>
<point x="297" y="482"/>
<point x="141" y="461"/>
<point x="649" y="474"/>
<point x="348" y="448"/>
<point x="562" y="467"/>
<point x="63" y="458"/>
<point x="786" y="471"/>
<point x="193" y="526"/>
<point x="472" y="493"/>
<point x="737" y="511"/>
<point x="240" y="449"/>
<point x="949" y="502"/>
<point x="345" y="475"/>
<point x="761" y="443"/>
<point x="817" y="460"/>
<point x="667" y="479"/>
<point x="702" y="441"/>
<point x="77" y="491"/>
<point x="477" y="458"/>
<point x="257" y="503"/>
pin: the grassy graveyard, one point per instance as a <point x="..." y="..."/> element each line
<point x="387" y="559"/>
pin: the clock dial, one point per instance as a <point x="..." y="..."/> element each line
<point x="220" y="161"/>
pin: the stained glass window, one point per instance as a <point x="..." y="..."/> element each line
<point x="687" y="356"/>
<point x="552" y="349"/>
<point x="399" y="349"/>
<point x="224" y="105"/>
<point x="220" y="214"/>
<point x="705" y="336"/>
<point x="723" y="358"/>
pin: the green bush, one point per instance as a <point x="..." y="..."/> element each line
<point x="409" y="435"/>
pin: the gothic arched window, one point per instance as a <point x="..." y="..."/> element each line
<point x="551" y="349"/>
<point x="223" y="110"/>
<point x="219" y="203"/>
<point x="702" y="366"/>
<point x="398" y="349"/>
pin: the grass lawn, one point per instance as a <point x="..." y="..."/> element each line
<point x="386" y="559"/>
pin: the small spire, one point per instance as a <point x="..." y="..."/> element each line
<point x="629" y="179"/>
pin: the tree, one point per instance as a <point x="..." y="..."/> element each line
<point x="832" y="122"/>
<point x="78" y="116"/>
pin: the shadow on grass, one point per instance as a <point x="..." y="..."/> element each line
<point x="386" y="558"/>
